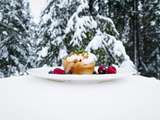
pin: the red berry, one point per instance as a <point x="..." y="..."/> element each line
<point x="101" y="69"/>
<point x="58" y="71"/>
<point x="111" y="70"/>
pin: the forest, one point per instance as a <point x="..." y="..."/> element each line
<point x="121" y="32"/>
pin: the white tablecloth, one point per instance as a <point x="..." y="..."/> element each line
<point x="27" y="98"/>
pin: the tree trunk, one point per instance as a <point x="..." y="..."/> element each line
<point x="136" y="33"/>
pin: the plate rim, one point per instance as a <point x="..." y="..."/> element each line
<point x="75" y="77"/>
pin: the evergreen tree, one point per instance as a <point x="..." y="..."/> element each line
<point x="52" y="25"/>
<point x="14" y="36"/>
<point x="138" y="24"/>
<point x="67" y="25"/>
<point x="149" y="35"/>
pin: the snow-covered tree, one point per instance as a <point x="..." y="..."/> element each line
<point x="14" y="37"/>
<point x="70" y="24"/>
<point x="138" y="23"/>
<point x="149" y="37"/>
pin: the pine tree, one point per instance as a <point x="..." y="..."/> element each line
<point x="149" y="61"/>
<point x="14" y="37"/>
<point x="79" y="24"/>
<point x="52" y="25"/>
<point x="138" y="24"/>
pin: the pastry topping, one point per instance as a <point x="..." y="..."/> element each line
<point x="84" y="57"/>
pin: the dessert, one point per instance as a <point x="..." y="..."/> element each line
<point x="82" y="62"/>
<point x="79" y="62"/>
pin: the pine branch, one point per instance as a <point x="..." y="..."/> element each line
<point x="15" y="16"/>
<point x="109" y="20"/>
<point x="109" y="53"/>
<point x="8" y="27"/>
<point x="5" y="40"/>
<point x="5" y="26"/>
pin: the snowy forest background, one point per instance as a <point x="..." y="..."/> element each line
<point x="104" y="27"/>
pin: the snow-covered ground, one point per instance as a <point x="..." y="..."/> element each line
<point x="131" y="98"/>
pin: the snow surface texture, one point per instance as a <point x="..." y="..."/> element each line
<point x="77" y="26"/>
<point x="28" y="98"/>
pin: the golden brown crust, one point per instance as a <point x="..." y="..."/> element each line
<point x="78" y="67"/>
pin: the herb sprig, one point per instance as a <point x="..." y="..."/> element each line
<point x="79" y="51"/>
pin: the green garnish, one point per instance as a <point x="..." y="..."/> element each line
<point x="80" y="51"/>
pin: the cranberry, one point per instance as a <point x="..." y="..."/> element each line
<point x="58" y="71"/>
<point x="111" y="70"/>
<point x="102" y="69"/>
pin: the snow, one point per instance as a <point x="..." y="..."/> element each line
<point x="5" y="32"/>
<point x="47" y="17"/>
<point x="157" y="12"/>
<point x="1" y="16"/>
<point x="79" y="25"/>
<point x="62" y="53"/>
<point x="140" y="6"/>
<point x="119" y="49"/>
<point x="126" y="31"/>
<point x="107" y="19"/>
<point x="63" y="3"/>
<point x="152" y="23"/>
<point x="80" y="29"/>
<point x="96" y="42"/>
<point x="127" y="66"/>
<point x="43" y="52"/>
<point x="130" y="98"/>
<point x="3" y="52"/>
<point x="15" y="59"/>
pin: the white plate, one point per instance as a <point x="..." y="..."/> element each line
<point x="43" y="74"/>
